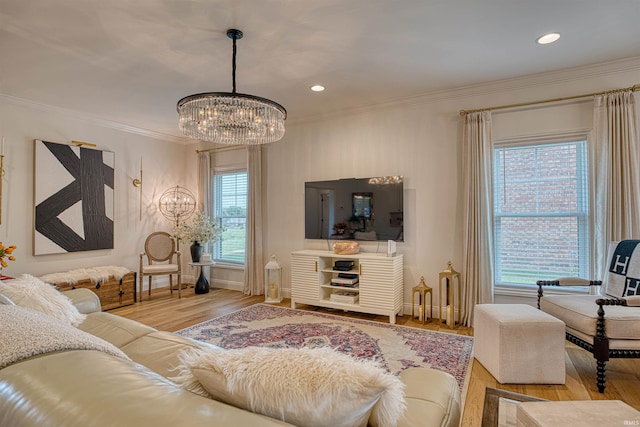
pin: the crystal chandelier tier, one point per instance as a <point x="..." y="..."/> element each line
<point x="230" y="117"/>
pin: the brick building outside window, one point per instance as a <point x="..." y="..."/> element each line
<point x="541" y="211"/>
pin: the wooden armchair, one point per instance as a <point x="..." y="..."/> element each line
<point x="613" y="332"/>
<point x="162" y="259"/>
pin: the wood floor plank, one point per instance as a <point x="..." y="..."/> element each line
<point x="167" y="312"/>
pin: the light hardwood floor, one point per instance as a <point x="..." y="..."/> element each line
<point x="167" y="312"/>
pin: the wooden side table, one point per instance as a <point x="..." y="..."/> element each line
<point x="202" y="284"/>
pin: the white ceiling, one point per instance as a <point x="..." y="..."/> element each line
<point x="130" y="61"/>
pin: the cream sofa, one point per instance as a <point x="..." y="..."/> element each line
<point x="92" y="388"/>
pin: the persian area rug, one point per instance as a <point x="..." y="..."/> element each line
<point x="395" y="347"/>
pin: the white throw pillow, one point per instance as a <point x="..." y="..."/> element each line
<point x="305" y="387"/>
<point x="29" y="291"/>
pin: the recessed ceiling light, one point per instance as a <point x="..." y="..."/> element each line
<point x="317" y="88"/>
<point x="548" y="38"/>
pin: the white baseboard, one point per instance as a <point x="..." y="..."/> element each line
<point x="227" y="284"/>
<point x="163" y="281"/>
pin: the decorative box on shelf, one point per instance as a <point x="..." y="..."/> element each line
<point x="345" y="280"/>
<point x="344" y="297"/>
<point x="343" y="265"/>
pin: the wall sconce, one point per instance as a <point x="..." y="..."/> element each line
<point x="80" y="144"/>
<point x="137" y="182"/>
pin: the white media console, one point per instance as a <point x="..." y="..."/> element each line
<point x="379" y="291"/>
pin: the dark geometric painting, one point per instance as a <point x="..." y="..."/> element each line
<point x="73" y="198"/>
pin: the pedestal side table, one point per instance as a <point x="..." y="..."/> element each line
<point x="202" y="284"/>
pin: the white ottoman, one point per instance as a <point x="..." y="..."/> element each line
<point x="519" y="344"/>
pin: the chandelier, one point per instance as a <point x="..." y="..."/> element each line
<point x="177" y="204"/>
<point x="231" y="117"/>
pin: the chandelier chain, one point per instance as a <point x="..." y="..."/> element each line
<point x="233" y="65"/>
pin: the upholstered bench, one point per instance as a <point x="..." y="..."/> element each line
<point x="519" y="344"/>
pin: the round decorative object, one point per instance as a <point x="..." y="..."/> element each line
<point x="196" y="251"/>
<point x="177" y="204"/>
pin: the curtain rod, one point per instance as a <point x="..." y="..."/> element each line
<point x="545" y="101"/>
<point x="235" y="147"/>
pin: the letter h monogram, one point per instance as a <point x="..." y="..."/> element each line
<point x="621" y="264"/>
<point x="632" y="289"/>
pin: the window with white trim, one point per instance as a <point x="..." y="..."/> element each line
<point x="230" y="208"/>
<point x="541" y="211"/>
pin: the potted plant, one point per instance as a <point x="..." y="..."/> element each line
<point x="199" y="231"/>
<point x="5" y="251"/>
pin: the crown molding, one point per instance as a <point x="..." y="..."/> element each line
<point x="525" y="82"/>
<point x="529" y="81"/>
<point x="93" y="120"/>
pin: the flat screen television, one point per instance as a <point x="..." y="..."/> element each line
<point x="355" y="209"/>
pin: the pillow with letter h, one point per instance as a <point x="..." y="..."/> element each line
<point x="622" y="277"/>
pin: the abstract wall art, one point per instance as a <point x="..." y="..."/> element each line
<point x="74" y="196"/>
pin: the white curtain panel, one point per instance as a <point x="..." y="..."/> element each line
<point x="204" y="189"/>
<point x="617" y="173"/>
<point x="253" y="272"/>
<point x="477" y="205"/>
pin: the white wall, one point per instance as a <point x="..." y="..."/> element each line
<point x="163" y="163"/>
<point x="419" y="139"/>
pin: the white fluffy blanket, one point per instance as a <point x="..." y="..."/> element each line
<point x="26" y="333"/>
<point x="96" y="274"/>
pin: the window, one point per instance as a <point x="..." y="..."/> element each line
<point x="230" y="207"/>
<point x="540" y="212"/>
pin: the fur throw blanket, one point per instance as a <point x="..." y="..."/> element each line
<point x="96" y="274"/>
<point x="26" y="333"/>
<point x="303" y="386"/>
